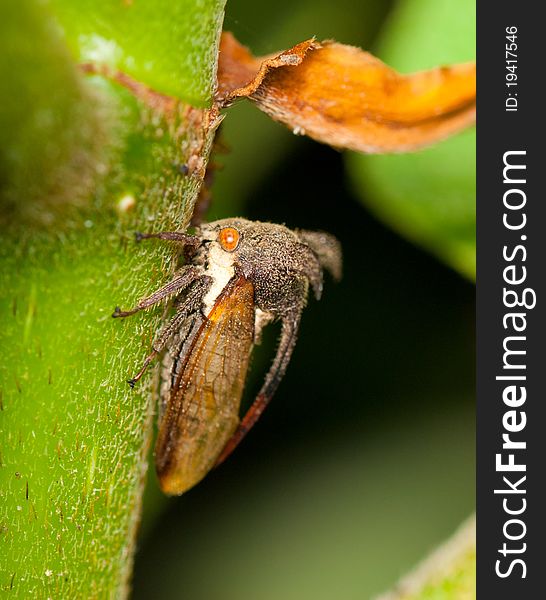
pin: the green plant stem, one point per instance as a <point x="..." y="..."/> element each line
<point x="74" y="438"/>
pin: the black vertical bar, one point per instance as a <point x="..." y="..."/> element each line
<point x="511" y="267"/>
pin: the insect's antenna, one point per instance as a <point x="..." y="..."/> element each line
<point x="289" y="334"/>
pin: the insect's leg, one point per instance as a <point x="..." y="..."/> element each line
<point x="289" y="334"/>
<point x="159" y="344"/>
<point x="172" y="236"/>
<point x="190" y="304"/>
<point x="179" y="282"/>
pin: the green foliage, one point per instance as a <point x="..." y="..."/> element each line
<point x="428" y="196"/>
<point x="83" y="166"/>
<point x="74" y="154"/>
<point x="449" y="573"/>
<point x="158" y="42"/>
<point x="48" y="130"/>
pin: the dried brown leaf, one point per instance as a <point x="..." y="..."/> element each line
<point x="345" y="97"/>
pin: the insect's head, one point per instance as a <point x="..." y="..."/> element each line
<point x="221" y="242"/>
<point x="247" y="243"/>
<point x="267" y="253"/>
<point x="225" y="235"/>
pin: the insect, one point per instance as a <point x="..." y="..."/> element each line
<point x="238" y="276"/>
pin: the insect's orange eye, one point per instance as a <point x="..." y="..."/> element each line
<point x="229" y="238"/>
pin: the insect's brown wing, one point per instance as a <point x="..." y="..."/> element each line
<point x="203" y="409"/>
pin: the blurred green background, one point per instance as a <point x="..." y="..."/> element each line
<point x="364" y="462"/>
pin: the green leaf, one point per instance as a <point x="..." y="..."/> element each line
<point x="449" y="573"/>
<point x="83" y="166"/>
<point x="158" y="42"/>
<point x="429" y="197"/>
